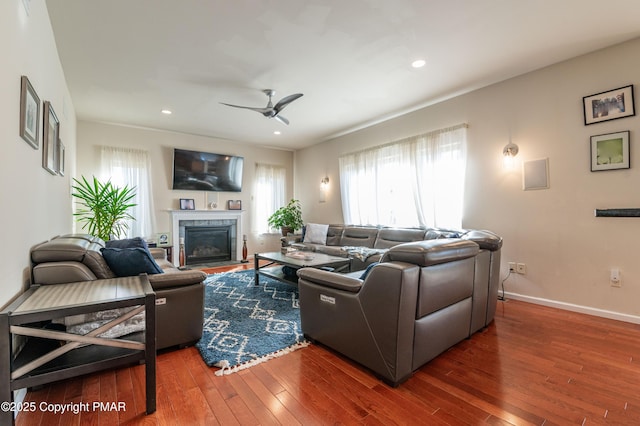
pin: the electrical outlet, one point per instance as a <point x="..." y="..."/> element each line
<point x="512" y="266"/>
<point x="521" y="268"/>
<point x="614" y="278"/>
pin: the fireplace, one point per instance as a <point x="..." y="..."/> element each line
<point x="204" y="244"/>
<point x="181" y="219"/>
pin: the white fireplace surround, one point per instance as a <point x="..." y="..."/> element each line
<point x="183" y="215"/>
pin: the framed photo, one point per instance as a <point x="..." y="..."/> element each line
<point x="610" y="151"/>
<point x="163" y="239"/>
<point x="29" y="113"/>
<point x="50" y="139"/>
<point x="60" y="158"/>
<point x="616" y="103"/>
<point x="187" y="204"/>
<point x="234" y="204"/>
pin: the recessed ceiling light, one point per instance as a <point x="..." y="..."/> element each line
<point x="166" y="111"/>
<point x="419" y="63"/>
<point x="277" y="132"/>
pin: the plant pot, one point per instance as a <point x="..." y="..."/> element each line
<point x="286" y="230"/>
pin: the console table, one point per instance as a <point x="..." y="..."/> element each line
<point x="50" y="355"/>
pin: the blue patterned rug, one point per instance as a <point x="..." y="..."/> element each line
<point x="244" y="324"/>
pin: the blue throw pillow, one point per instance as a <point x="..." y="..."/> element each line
<point x="127" y="243"/>
<point x="127" y="262"/>
<point x="366" y="271"/>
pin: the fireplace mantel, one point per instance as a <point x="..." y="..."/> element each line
<point x="182" y="215"/>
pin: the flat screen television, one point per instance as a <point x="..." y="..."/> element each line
<point x="204" y="171"/>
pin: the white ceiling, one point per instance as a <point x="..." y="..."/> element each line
<point x="126" y="60"/>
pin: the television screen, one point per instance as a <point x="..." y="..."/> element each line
<point x="205" y="171"/>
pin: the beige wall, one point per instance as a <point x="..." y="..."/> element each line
<point x="160" y="146"/>
<point x="36" y="204"/>
<point x="568" y="251"/>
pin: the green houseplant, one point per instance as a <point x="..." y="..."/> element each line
<point x="104" y="207"/>
<point x="288" y="218"/>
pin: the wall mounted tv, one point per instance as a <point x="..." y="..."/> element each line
<point x="204" y="171"/>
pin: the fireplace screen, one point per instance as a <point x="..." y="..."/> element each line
<point x="204" y="244"/>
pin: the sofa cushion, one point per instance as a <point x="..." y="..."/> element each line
<point x="359" y="236"/>
<point x="389" y="237"/>
<point x="127" y="243"/>
<point x="125" y="262"/>
<point x="316" y="233"/>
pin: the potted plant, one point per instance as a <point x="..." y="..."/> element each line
<point x="104" y="207"/>
<point x="288" y="218"/>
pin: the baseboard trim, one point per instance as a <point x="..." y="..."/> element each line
<point x="574" y="308"/>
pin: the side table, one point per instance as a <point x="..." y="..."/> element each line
<point x="39" y="362"/>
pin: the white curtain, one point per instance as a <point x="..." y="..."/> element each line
<point x="124" y="166"/>
<point x="418" y="181"/>
<point x="270" y="189"/>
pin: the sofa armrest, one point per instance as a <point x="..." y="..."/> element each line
<point x="485" y="239"/>
<point x="176" y="278"/>
<point x="290" y="239"/>
<point x="330" y="279"/>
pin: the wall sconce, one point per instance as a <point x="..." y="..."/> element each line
<point x="324" y="183"/>
<point x="510" y="151"/>
<point x="324" y="187"/>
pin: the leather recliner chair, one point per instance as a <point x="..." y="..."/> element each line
<point x="179" y="294"/>
<point x="413" y="305"/>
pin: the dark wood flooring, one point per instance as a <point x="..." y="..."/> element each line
<point x="533" y="366"/>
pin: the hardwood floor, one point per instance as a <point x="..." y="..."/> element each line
<point x="533" y="366"/>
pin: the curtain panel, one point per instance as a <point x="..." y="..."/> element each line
<point x="125" y="166"/>
<point x="417" y="181"/>
<point x="270" y="188"/>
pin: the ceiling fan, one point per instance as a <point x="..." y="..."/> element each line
<point x="271" y="111"/>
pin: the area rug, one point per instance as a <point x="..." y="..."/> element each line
<point x="245" y="324"/>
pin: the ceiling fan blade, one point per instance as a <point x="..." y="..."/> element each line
<point x="281" y="119"/>
<point x="260" y="110"/>
<point x="286" y="101"/>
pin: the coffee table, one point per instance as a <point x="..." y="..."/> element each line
<point x="298" y="259"/>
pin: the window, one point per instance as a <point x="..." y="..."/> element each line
<point x="418" y="181"/>
<point x="270" y="188"/>
<point x="124" y="166"/>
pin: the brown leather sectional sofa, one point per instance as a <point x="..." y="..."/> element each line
<point x="179" y="294"/>
<point x="423" y="297"/>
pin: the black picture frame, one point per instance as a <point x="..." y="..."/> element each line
<point x="610" y="151"/>
<point x="29" y="113"/>
<point x="187" y="204"/>
<point x="51" y="129"/>
<point x="609" y="105"/>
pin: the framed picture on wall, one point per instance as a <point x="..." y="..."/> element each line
<point x="605" y="106"/>
<point x="60" y="158"/>
<point x="234" y="204"/>
<point x="29" y="113"/>
<point x="50" y="139"/>
<point x="187" y="204"/>
<point x="610" y="151"/>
